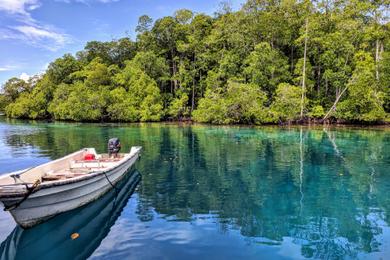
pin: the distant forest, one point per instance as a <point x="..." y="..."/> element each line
<point x="269" y="62"/>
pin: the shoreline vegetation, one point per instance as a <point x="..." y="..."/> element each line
<point x="271" y="62"/>
<point x="189" y="122"/>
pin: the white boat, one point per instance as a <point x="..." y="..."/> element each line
<point x="37" y="194"/>
<point x="51" y="240"/>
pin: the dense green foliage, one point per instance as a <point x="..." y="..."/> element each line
<point x="240" y="103"/>
<point x="271" y="61"/>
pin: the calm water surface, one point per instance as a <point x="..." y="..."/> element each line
<point x="213" y="193"/>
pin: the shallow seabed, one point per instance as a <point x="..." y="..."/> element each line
<point x="214" y="193"/>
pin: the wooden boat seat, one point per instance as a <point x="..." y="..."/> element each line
<point x="52" y="178"/>
<point x="85" y="165"/>
<point x="61" y="176"/>
<point x="94" y="164"/>
<point x="86" y="169"/>
<point x="64" y="174"/>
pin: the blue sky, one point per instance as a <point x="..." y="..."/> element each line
<point x="35" y="32"/>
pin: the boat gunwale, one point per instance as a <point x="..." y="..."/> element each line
<point x="50" y="184"/>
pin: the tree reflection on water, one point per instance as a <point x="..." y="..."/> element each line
<point x="326" y="189"/>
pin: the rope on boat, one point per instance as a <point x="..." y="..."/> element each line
<point x="30" y="190"/>
<point x="16" y="175"/>
<point x="112" y="185"/>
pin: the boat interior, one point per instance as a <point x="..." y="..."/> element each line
<point x="74" y="165"/>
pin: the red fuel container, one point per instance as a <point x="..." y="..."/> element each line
<point x="89" y="157"/>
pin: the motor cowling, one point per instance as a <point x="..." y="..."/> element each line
<point x="114" y="146"/>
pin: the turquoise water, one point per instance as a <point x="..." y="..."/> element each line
<point x="214" y="193"/>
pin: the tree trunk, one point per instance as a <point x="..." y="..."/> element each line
<point x="319" y="80"/>
<point x="335" y="103"/>
<point x="174" y="75"/>
<point x="326" y="86"/>
<point x="200" y="80"/>
<point x="193" y="96"/>
<point x="377" y="60"/>
<point x="333" y="107"/>
<point x="292" y="58"/>
<point x="304" y="71"/>
<point x="193" y="87"/>
<point x="174" y="70"/>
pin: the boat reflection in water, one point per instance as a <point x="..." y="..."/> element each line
<point x="74" y="234"/>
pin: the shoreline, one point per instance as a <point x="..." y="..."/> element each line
<point x="305" y="123"/>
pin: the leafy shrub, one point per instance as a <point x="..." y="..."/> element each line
<point x="316" y="112"/>
<point x="287" y="103"/>
<point x="241" y="103"/>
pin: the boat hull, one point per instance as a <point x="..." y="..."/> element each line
<point x="51" y="201"/>
<point x="92" y="222"/>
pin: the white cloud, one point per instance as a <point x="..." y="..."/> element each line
<point x="87" y="1"/>
<point x="24" y="6"/>
<point x="27" y="29"/>
<point x="24" y="76"/>
<point x="36" y="35"/>
<point x="107" y="1"/>
<point x="7" y="68"/>
<point x="18" y="6"/>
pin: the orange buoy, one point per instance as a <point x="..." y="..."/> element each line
<point x="74" y="236"/>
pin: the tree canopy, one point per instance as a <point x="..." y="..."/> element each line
<point x="268" y="62"/>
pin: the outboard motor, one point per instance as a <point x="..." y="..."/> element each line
<point x="114" y="146"/>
